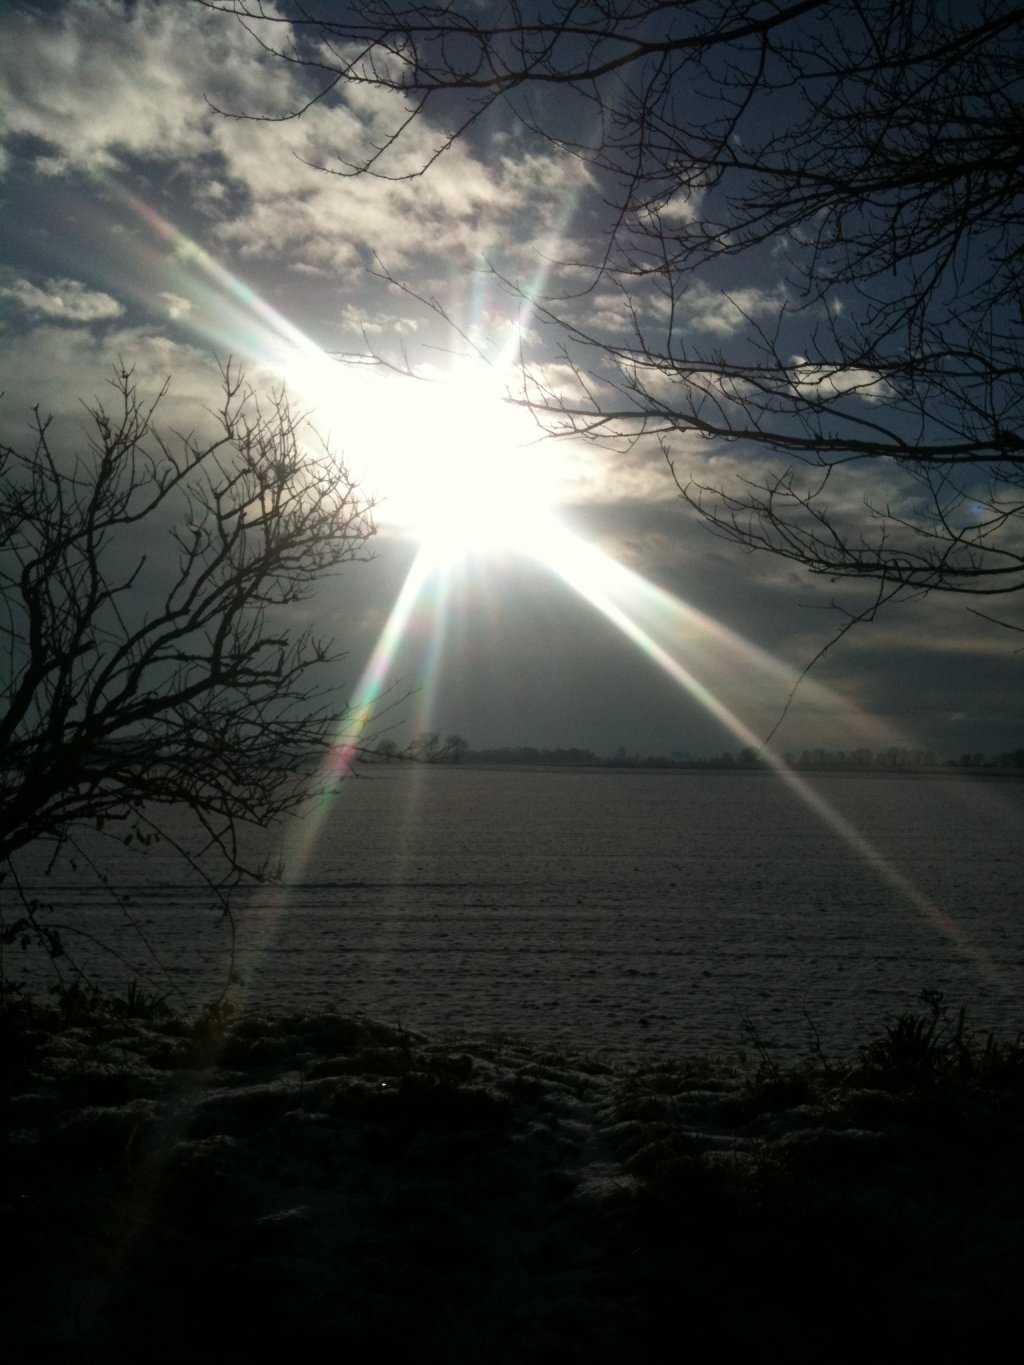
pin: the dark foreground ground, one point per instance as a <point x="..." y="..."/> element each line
<point x="188" y="1189"/>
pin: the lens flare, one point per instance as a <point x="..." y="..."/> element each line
<point x="468" y="482"/>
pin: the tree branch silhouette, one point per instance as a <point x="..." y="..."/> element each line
<point x="809" y="222"/>
<point x="151" y="585"/>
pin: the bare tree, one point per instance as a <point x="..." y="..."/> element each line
<point x="812" y="235"/>
<point x="454" y="747"/>
<point x="150" y="587"/>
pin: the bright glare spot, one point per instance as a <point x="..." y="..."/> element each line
<point x="467" y="472"/>
<point x="450" y="461"/>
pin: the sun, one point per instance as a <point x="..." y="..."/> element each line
<point x="451" y="462"/>
<point x="468" y="472"/>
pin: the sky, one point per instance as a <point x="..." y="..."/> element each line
<point x="524" y="591"/>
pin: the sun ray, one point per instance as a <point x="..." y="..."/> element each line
<point x="600" y="581"/>
<point x="453" y="454"/>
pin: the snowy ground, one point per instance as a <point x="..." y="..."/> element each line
<point x="311" y="1182"/>
<point x="636" y="914"/>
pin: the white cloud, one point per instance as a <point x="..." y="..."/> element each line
<point x="681" y="208"/>
<point x="724" y="313"/>
<point x="355" y="319"/>
<point x="97" y="84"/>
<point x="710" y="393"/>
<point x="557" y="384"/>
<point x="58" y="367"/>
<point x="651" y="305"/>
<point x="69" y="300"/>
<point x="608" y="311"/>
<point x="98" y="88"/>
<point x="176" y="306"/>
<point x="826" y="382"/>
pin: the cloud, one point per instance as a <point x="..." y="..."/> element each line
<point x="682" y="207"/>
<point x="94" y="83"/>
<point x="177" y="307"/>
<point x="356" y="319"/>
<point x="826" y="382"/>
<point x="61" y="367"/>
<point x="100" y="88"/>
<point x="724" y="313"/>
<point x="68" y="300"/>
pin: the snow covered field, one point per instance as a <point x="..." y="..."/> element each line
<point x="464" y="1106"/>
<point x="629" y="913"/>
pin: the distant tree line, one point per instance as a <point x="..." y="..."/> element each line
<point x="900" y="759"/>
<point x="431" y="748"/>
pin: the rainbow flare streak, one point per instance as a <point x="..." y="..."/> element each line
<point x="658" y="624"/>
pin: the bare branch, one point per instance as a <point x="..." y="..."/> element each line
<point x="812" y="224"/>
<point x="146" y="584"/>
